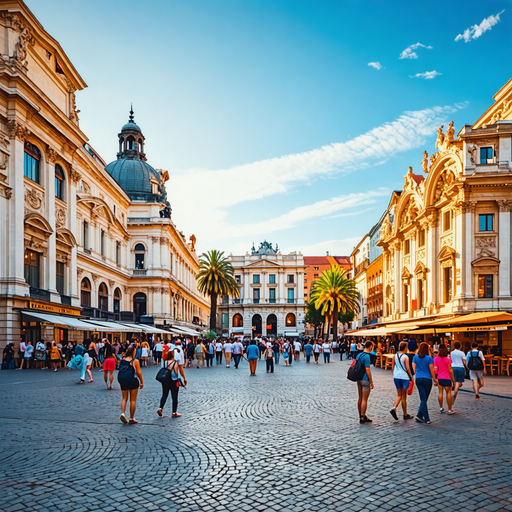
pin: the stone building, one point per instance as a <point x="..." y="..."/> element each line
<point x="79" y="238"/>
<point x="271" y="294"/>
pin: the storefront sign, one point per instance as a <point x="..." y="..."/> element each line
<point x="61" y="310"/>
<point x="483" y="328"/>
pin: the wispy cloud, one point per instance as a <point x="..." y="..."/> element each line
<point x="428" y="75"/>
<point x="203" y="199"/>
<point x="476" y="31"/>
<point x="376" y="65"/>
<point x="409" y="52"/>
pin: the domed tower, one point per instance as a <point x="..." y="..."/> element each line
<point x="136" y="177"/>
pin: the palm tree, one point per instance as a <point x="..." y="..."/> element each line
<point x="215" y="278"/>
<point x="333" y="293"/>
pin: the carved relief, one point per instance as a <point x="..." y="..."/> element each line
<point x="79" y="272"/>
<point x="51" y="155"/>
<point x="17" y="130"/>
<point x="111" y="283"/>
<point x="484" y="242"/>
<point x="60" y="217"/>
<point x="448" y="240"/>
<point x="33" y="199"/>
<point x="504" y="206"/>
<point x="407" y="260"/>
<point x="472" y="150"/>
<point x="95" y="277"/>
<point x="445" y="181"/>
<point x="420" y="254"/>
<point x="6" y="192"/>
<point x="75" y="176"/>
<point x="424" y="163"/>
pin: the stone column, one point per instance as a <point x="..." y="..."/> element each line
<point x="263" y="296"/>
<point x="398" y="279"/>
<point x="504" y="248"/>
<point x="246" y="287"/>
<point x="281" y="298"/>
<point x="413" y="286"/>
<point x="468" y="250"/>
<point x="300" y="291"/>
<point x="458" y="232"/>
<point x="155" y="249"/>
<point x="432" y="284"/>
<point x="50" y="260"/>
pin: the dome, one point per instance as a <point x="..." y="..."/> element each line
<point x="134" y="176"/>
<point x="130" y="125"/>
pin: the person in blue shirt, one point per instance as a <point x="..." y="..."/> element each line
<point x="308" y="350"/>
<point x="253" y="354"/>
<point x="365" y="385"/>
<point x="423" y="366"/>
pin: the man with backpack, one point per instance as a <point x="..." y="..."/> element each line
<point x="476" y="364"/>
<point x="360" y="372"/>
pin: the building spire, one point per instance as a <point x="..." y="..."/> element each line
<point x="131" y="114"/>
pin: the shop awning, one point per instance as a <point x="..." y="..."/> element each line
<point x="185" y="330"/>
<point x="378" y="331"/>
<point x="476" y="318"/>
<point x="145" y="328"/>
<point x="66" y="321"/>
<point x="98" y="325"/>
<point x="466" y="328"/>
<point x="290" y="334"/>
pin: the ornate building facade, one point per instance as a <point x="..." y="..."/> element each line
<point x="78" y="237"/>
<point x="446" y="238"/>
<point x="271" y="294"/>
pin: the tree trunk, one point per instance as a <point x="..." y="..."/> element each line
<point x="213" y="312"/>
<point x="335" y="322"/>
<point x="326" y="331"/>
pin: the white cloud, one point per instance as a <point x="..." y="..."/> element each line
<point x="409" y="52"/>
<point x="205" y="201"/>
<point x="428" y="75"/>
<point x="476" y="31"/>
<point x="376" y="65"/>
<point x="334" y="247"/>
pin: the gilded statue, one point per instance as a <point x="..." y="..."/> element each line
<point x="424" y="162"/>
<point x="440" y="137"/>
<point x="450" y="132"/>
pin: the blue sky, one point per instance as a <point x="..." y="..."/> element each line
<point x="266" y="113"/>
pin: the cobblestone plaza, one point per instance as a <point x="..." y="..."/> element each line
<point x="288" y="441"/>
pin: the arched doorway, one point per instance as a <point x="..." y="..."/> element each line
<point x="238" y="320"/>
<point x="271" y="325"/>
<point x="290" y="320"/>
<point x="103" y="297"/>
<point x="117" y="300"/>
<point x="256" y="325"/>
<point x="139" y="305"/>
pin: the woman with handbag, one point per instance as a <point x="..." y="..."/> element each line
<point x="130" y="380"/>
<point x="423" y="366"/>
<point x="402" y="376"/>
<point x="445" y="377"/>
<point x="169" y="377"/>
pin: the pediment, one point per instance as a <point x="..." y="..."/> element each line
<point x="485" y="261"/>
<point x="263" y="263"/>
<point x="39" y="224"/>
<point x="446" y="252"/>
<point x="420" y="268"/>
<point x="66" y="237"/>
<point x="98" y="206"/>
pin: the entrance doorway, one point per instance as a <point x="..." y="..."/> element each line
<point x="271" y="325"/>
<point x="139" y="305"/>
<point x="256" y="325"/>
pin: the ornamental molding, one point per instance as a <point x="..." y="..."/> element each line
<point x="6" y="192"/>
<point x="17" y="131"/>
<point x="33" y="199"/>
<point x="504" y="206"/>
<point x="111" y="283"/>
<point x="60" y="217"/>
<point x="95" y="277"/>
<point x="420" y="254"/>
<point x="36" y="245"/>
<point x="75" y="176"/>
<point x="486" y="241"/>
<point x="51" y="156"/>
<point x="79" y="272"/>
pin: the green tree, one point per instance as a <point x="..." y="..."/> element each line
<point x="313" y="316"/>
<point x="333" y="293"/>
<point x="346" y="317"/>
<point x="216" y="278"/>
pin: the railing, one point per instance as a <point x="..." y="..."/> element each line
<point x="138" y="219"/>
<point x="66" y="300"/>
<point x="38" y="293"/>
<point x="139" y="272"/>
<point x="260" y="301"/>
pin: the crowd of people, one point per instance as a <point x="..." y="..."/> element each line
<point x="424" y="366"/>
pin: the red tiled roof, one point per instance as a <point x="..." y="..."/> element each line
<point x="322" y="260"/>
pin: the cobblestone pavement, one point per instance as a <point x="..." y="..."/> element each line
<point x="288" y="441"/>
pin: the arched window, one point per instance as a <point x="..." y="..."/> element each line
<point x="290" y="320"/>
<point x="103" y="297"/>
<point x="238" y="320"/>
<point x="131" y="143"/>
<point x="59" y="182"/>
<point x="31" y="162"/>
<point x="140" y="256"/>
<point x="117" y="300"/>
<point x="32" y="262"/>
<point x="85" y="292"/>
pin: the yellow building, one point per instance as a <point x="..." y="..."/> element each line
<point x="78" y="237"/>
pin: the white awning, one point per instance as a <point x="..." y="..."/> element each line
<point x="237" y="330"/>
<point x="68" y="321"/>
<point x="98" y="325"/>
<point x="145" y="328"/>
<point x="291" y="333"/>
<point x="185" y="330"/>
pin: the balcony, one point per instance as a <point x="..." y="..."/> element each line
<point x="66" y="300"/>
<point x="38" y="293"/>
<point x="139" y="272"/>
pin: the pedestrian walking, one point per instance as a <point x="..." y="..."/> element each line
<point x="402" y="376"/>
<point x="253" y="354"/>
<point x="423" y="366"/>
<point x="130" y="380"/>
<point x="269" y="359"/>
<point x="308" y="350"/>
<point x="353" y="349"/>
<point x="476" y="363"/>
<point x="190" y="353"/>
<point x="365" y="385"/>
<point x="27" y="354"/>
<point x="297" y="347"/>
<point x="276" y="348"/>
<point x="459" y="366"/>
<point x="228" y="351"/>
<point x="55" y="356"/>
<point x="445" y="377"/>
<point x="343" y="349"/>
<point x="109" y="364"/>
<point x="210" y="349"/>
<point x="316" y="351"/>
<point x="238" y="349"/>
<point x="157" y="351"/>
<point x="90" y="354"/>
<point x="326" y="351"/>
<point x="144" y="353"/>
<point x="287" y="352"/>
<point x="218" y="352"/>
<point x="200" y="352"/>
<point x="172" y="384"/>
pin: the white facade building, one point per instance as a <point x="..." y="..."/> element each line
<point x="271" y="294"/>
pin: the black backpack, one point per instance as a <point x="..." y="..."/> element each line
<point x="475" y="363"/>
<point x="358" y="370"/>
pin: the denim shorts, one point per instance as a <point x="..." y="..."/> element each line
<point x="401" y="383"/>
<point x="445" y="383"/>
<point x="459" y="374"/>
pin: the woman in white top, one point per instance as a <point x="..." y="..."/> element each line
<point x="402" y="376"/>
<point x="144" y="353"/>
<point x="218" y="352"/>
<point x="316" y="351"/>
<point x="459" y="368"/>
<point x="326" y="350"/>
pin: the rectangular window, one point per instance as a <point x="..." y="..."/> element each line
<point x="225" y="320"/>
<point x="86" y="235"/>
<point x="485" y="290"/>
<point x="315" y="275"/>
<point x="256" y="296"/>
<point x="486" y="155"/>
<point x="272" y="279"/>
<point x="60" y="277"/>
<point x="238" y="279"/>
<point x="291" y="293"/>
<point x="256" y="279"/>
<point x="447" y="220"/>
<point x="485" y="222"/>
<point x="315" y="268"/>
<point x="290" y="279"/>
<point x="447" y="284"/>
<point x="272" y="295"/>
<point x="407" y="247"/>
<point x="421" y="238"/>
<point x="102" y="243"/>
<point x="59" y="188"/>
<point x="421" y="299"/>
<point x="118" y="252"/>
<point x="32" y="268"/>
<point x="406" y="297"/>
<point x="31" y="167"/>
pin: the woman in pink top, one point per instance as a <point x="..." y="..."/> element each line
<point x="444" y="372"/>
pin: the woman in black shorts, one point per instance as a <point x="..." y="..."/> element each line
<point x="130" y="380"/>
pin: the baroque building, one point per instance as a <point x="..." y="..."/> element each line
<point x="271" y="299"/>
<point x="79" y="237"/>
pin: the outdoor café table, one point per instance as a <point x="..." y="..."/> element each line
<point x="378" y="362"/>
<point x="502" y="361"/>
<point x="389" y="360"/>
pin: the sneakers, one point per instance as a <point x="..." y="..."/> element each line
<point x="123" y="419"/>
<point x="55" y="370"/>
<point x="393" y="413"/>
<point x="408" y="417"/>
<point x="365" y="419"/>
<point x="441" y="410"/>
<point x="451" y="411"/>
<point x="477" y="397"/>
<point x="160" y="412"/>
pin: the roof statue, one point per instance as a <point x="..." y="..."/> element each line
<point x="265" y="248"/>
